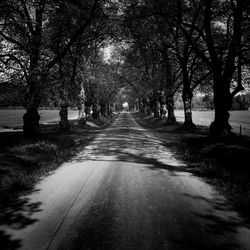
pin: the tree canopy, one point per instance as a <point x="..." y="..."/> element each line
<point x="52" y="53"/>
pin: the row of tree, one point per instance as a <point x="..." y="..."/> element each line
<point x="183" y="45"/>
<point x="51" y="49"/>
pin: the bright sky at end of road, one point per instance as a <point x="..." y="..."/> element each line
<point x="125" y="105"/>
<point x="111" y="52"/>
<point x="107" y="52"/>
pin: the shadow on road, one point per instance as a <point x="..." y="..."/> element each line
<point x="131" y="144"/>
<point x="128" y="144"/>
<point x="16" y="214"/>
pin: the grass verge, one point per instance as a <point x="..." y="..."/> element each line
<point x="222" y="162"/>
<point x="24" y="161"/>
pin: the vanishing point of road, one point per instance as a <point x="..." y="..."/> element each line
<point x="125" y="190"/>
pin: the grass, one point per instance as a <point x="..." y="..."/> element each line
<point x="223" y="163"/>
<point x="24" y="161"/>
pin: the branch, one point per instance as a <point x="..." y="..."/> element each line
<point x="26" y="13"/>
<point x="129" y="82"/>
<point x="74" y="37"/>
<point x="14" y="58"/>
<point x="176" y="88"/>
<point x="13" y="41"/>
<point x="200" y="80"/>
<point x="209" y="36"/>
<point x="237" y="90"/>
<point x="197" y="50"/>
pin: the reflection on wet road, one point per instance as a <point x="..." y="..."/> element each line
<point x="126" y="190"/>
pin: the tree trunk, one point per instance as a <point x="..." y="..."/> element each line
<point x="88" y="110"/>
<point x="156" y="108"/>
<point x="64" y="122"/>
<point x="31" y="122"/>
<point x="31" y="117"/>
<point x="187" y="103"/>
<point x="163" y="110"/>
<point x="187" y="96"/>
<point x="188" y="123"/>
<point x="104" y="110"/>
<point x="109" y="109"/>
<point x="144" y="107"/>
<point x="162" y="100"/>
<point x="141" y="106"/>
<point x="222" y="104"/>
<point x="96" y="111"/>
<point x="170" y="107"/>
<point x="36" y="77"/>
<point x="81" y="109"/>
<point x="112" y="108"/>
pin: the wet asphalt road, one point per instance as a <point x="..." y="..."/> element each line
<point x="125" y="190"/>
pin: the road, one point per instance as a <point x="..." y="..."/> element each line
<point x="125" y="190"/>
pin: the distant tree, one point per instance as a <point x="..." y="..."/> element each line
<point x="208" y="101"/>
<point x="193" y="70"/>
<point x="101" y="85"/>
<point x="149" y="34"/>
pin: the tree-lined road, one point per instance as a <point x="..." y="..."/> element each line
<point x="125" y="190"/>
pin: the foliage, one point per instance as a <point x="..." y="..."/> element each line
<point x="241" y="102"/>
<point x="52" y="50"/>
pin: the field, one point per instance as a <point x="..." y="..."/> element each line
<point x="204" y="118"/>
<point x="13" y="118"/>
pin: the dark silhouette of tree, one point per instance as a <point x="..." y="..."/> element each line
<point x="26" y="26"/>
<point x="217" y="40"/>
<point x="148" y="32"/>
<point x="167" y="47"/>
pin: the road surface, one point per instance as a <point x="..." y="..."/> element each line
<point x="124" y="191"/>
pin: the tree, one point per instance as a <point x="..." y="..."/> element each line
<point x="193" y="70"/>
<point x="25" y="25"/>
<point x="217" y="40"/>
<point x="149" y="35"/>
